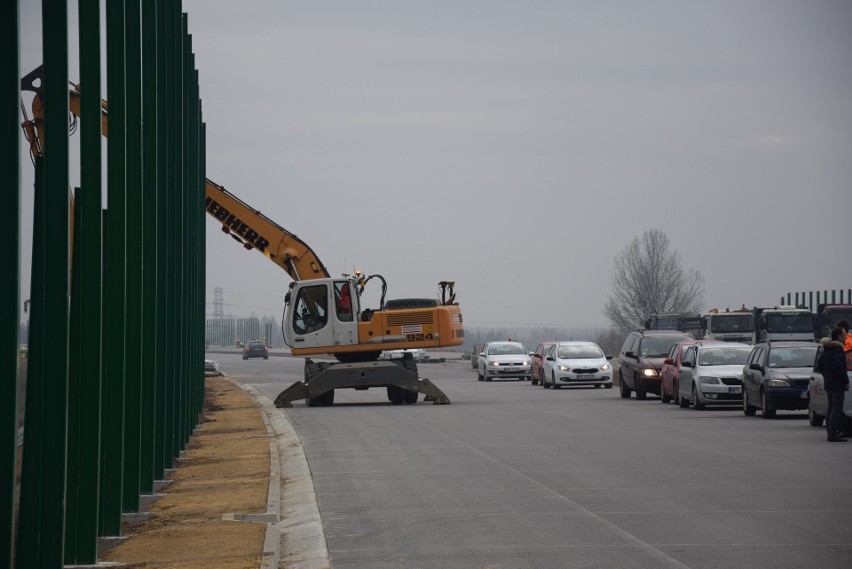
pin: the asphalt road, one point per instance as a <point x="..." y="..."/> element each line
<point x="516" y="476"/>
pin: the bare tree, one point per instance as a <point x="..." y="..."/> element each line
<point x="648" y="278"/>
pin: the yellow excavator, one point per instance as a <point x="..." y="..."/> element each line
<point x="323" y="315"/>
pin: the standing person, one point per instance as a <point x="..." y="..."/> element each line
<point x="836" y="381"/>
<point x="847" y="346"/>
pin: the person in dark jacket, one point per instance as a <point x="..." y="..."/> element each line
<point x="836" y="381"/>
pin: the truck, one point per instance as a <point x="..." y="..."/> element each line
<point x="783" y="323"/>
<point x="689" y="322"/>
<point x="729" y="326"/>
<point x="323" y="314"/>
<point x="828" y="315"/>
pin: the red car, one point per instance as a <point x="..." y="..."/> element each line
<point x="538" y="362"/>
<point x="670" y="371"/>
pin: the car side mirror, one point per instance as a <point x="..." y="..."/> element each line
<point x="549" y="358"/>
<point x="608" y="357"/>
<point x="687" y="364"/>
<point x="668" y="361"/>
<point x="756" y="367"/>
<point x="630" y="355"/>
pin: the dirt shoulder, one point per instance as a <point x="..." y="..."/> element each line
<point x="223" y="473"/>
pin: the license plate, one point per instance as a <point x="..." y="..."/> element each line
<point x="735" y="390"/>
<point x="585" y="376"/>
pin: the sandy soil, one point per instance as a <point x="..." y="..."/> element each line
<point x="224" y="471"/>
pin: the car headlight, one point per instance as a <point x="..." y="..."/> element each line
<point x="649" y="372"/>
<point x="494" y="364"/>
<point x="708" y="379"/>
<point x="526" y="362"/>
<point x="604" y="367"/>
<point x="777" y="383"/>
<point x="562" y="367"/>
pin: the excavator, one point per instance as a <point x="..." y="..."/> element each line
<point x="323" y="315"/>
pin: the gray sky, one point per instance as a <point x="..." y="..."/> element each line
<point x="517" y="147"/>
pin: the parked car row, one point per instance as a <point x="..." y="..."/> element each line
<point x="768" y="376"/>
<point x="552" y="364"/>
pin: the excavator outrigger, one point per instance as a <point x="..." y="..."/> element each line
<point x="323" y="314"/>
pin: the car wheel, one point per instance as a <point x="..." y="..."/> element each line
<point x="266" y="357"/>
<point x="748" y="410"/>
<point x="555" y="385"/>
<point x="245" y="357"/>
<point x="696" y="404"/>
<point x="765" y="411"/>
<point x="815" y="419"/>
<point x="640" y="388"/>
<point x="623" y="389"/>
<point x="609" y="386"/>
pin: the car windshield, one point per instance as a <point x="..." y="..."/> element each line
<point x="506" y="350"/>
<point x="658" y="346"/>
<point x="579" y="352"/>
<point x="256" y="344"/>
<point x="799" y="356"/>
<point x="732" y="323"/>
<point x="723" y="356"/>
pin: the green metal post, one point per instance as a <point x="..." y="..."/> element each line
<point x="161" y="460"/>
<point x="81" y="536"/>
<point x="45" y="499"/>
<point x="175" y="249"/>
<point x="10" y="295"/>
<point x="114" y="277"/>
<point x="133" y="268"/>
<point x="149" y="244"/>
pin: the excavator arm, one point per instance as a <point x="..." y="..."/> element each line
<point x="246" y="225"/>
<point x="253" y="230"/>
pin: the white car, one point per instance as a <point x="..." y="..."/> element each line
<point x="818" y="403"/>
<point x="712" y="374"/>
<point x="416" y="354"/>
<point x="504" y="359"/>
<point x="576" y="363"/>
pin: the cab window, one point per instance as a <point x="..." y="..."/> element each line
<point x="311" y="309"/>
<point x="343" y="301"/>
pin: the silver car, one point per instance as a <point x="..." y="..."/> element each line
<point x="712" y="374"/>
<point x="504" y="360"/>
<point x="576" y="363"/>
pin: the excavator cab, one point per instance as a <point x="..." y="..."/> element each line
<point x="321" y="313"/>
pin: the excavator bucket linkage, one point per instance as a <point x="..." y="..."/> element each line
<point x="321" y="379"/>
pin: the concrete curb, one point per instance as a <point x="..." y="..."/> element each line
<point x="292" y="497"/>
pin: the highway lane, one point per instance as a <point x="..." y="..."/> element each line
<point x="512" y="475"/>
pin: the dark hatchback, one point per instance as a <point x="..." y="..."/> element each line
<point x="256" y="349"/>
<point x="776" y="377"/>
<point x="641" y="359"/>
